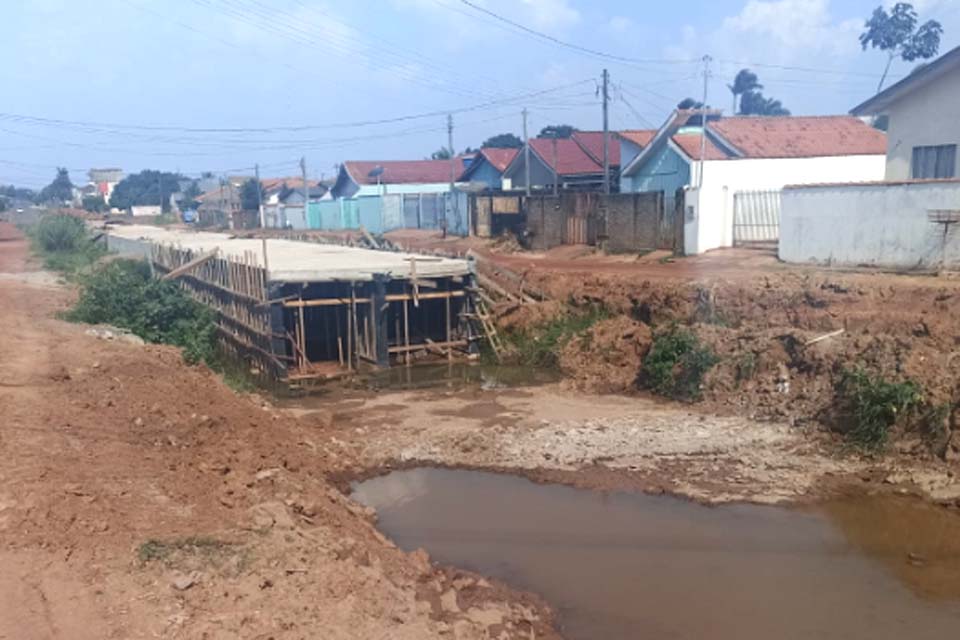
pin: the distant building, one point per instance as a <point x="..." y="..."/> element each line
<point x="366" y="178"/>
<point x="487" y="166"/>
<point x="574" y="163"/>
<point x="746" y="162"/>
<point x="923" y="133"/>
<point x="105" y="180"/>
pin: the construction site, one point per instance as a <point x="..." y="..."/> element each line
<point x="305" y="311"/>
<point x="149" y="499"/>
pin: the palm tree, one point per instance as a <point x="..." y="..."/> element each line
<point x="745" y="81"/>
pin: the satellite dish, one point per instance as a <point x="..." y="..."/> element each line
<point x="376" y="172"/>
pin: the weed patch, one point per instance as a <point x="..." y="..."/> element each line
<point x="676" y="364"/>
<point x="540" y="346"/>
<point x="64" y="244"/>
<point x="874" y="405"/>
<point x="194" y="546"/>
<point x="122" y="293"/>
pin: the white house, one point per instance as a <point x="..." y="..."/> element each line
<point x="912" y="219"/>
<point x="923" y="132"/>
<point x="744" y="162"/>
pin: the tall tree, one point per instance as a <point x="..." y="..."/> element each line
<point x="897" y="34"/>
<point x="559" y="131"/>
<point x="190" y="195"/>
<point x="744" y="81"/>
<point x="149" y="187"/>
<point x="60" y="190"/>
<point x="753" y="103"/>
<point x="689" y="103"/>
<point x="250" y="195"/>
<point x="502" y="141"/>
<point x="443" y="153"/>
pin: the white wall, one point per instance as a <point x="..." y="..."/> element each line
<point x="879" y="225"/>
<point x="920" y="119"/>
<point x="146" y="210"/>
<point x="712" y="226"/>
<point x="413" y="188"/>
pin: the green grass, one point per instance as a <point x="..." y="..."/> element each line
<point x="875" y="405"/>
<point x="676" y="365"/>
<point x="540" y="346"/>
<point x="64" y="244"/>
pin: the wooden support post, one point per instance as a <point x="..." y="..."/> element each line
<point x="302" y="338"/>
<point x="351" y="324"/>
<point x="406" y="331"/>
<point x="413" y="279"/>
<point x="449" y="350"/>
<point x="379" y="305"/>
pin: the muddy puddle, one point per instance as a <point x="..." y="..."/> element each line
<point x="624" y="565"/>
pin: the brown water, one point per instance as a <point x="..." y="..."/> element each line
<point x="623" y="565"/>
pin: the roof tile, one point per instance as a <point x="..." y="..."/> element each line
<point x="800" y="137"/>
<point x="402" y="171"/>
<point x="500" y="159"/>
<point x="571" y="157"/>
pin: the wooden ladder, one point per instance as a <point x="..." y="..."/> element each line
<point x="493" y="338"/>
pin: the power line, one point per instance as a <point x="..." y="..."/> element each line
<point x="570" y="45"/>
<point x="296" y="128"/>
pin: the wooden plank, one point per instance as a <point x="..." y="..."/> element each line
<point x="193" y="264"/>
<point x="427" y="347"/>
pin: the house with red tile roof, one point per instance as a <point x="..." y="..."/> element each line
<point x="486" y="168"/>
<point x="734" y="168"/>
<point x="370" y="178"/>
<point x="574" y="163"/>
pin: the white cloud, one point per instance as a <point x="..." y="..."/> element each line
<point x="620" y="24"/>
<point x="547" y="14"/>
<point x="794" y="26"/>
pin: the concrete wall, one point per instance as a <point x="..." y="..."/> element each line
<point x="922" y="118"/>
<point x="547" y="220"/>
<point x="889" y="225"/>
<point x="712" y="223"/>
<point x="633" y="221"/>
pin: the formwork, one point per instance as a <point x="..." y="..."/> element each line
<point x="303" y="311"/>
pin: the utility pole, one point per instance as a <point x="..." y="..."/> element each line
<point x="256" y="173"/>
<point x="703" y="117"/>
<point x="556" y="173"/>
<point x="454" y="201"/>
<point x="606" y="132"/>
<point x="306" y="189"/>
<point x="526" y="152"/>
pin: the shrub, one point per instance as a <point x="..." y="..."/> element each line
<point x="676" y="364"/>
<point x="874" y="405"/>
<point x="64" y="243"/>
<point x="122" y="293"/>
<point x="60" y="232"/>
<point x="541" y="345"/>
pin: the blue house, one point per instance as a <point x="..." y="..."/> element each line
<point x="488" y="166"/>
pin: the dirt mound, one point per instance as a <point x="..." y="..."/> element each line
<point x="514" y="317"/>
<point x="768" y="332"/>
<point x="607" y="357"/>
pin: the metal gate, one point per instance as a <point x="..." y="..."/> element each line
<point x="756" y="217"/>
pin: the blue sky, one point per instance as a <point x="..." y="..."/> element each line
<point x="268" y="68"/>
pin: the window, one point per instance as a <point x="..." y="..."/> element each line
<point x="935" y="162"/>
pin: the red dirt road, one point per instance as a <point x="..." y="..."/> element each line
<point x="141" y="498"/>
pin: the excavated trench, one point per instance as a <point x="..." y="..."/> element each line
<point x="625" y="565"/>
